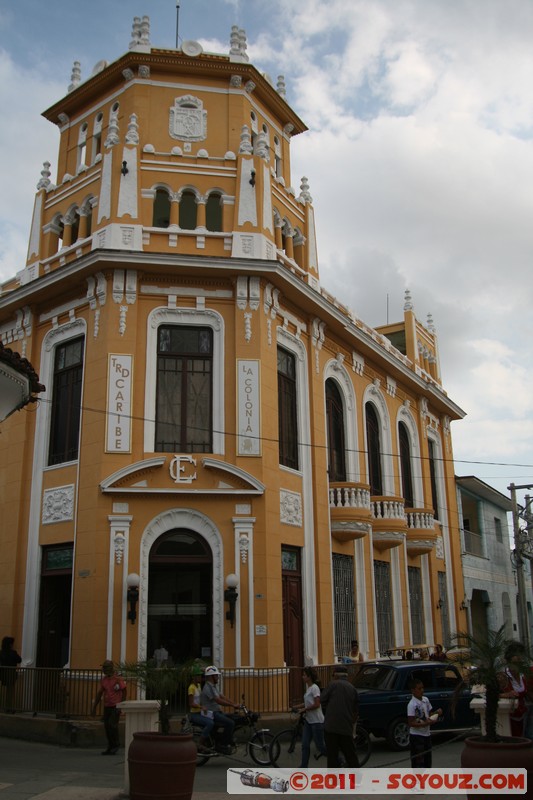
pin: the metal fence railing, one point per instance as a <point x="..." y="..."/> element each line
<point x="69" y="693"/>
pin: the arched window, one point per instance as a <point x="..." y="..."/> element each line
<point x="213" y="212"/>
<point x="287" y="409"/>
<point x="373" y="444"/>
<point x="335" y="432"/>
<point x="75" y="227"/>
<point x="161" y="215"/>
<point x="405" y="465"/>
<point x="188" y="211"/>
<point x="433" y="477"/>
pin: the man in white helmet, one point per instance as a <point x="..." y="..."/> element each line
<point x="211" y="700"/>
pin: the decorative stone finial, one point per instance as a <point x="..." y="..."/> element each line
<point x="305" y="195"/>
<point x="408" y="304"/>
<point x="75" y="78"/>
<point x="135" y="33"/>
<point x="112" y="132"/>
<point x="132" y="135"/>
<point x="430" y="323"/>
<point x="281" y="87"/>
<point x="243" y="45"/>
<point x="145" y="31"/>
<point x="235" y="41"/>
<point x="246" y="140"/>
<point x="261" y="145"/>
<point x="44" y="181"/>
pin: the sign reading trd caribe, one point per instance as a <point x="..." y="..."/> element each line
<point x="118" y="418"/>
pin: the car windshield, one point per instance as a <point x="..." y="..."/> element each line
<point x="374" y="676"/>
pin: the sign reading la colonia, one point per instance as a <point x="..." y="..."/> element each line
<point x="248" y="408"/>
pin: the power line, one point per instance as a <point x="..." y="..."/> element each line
<point x="313" y="446"/>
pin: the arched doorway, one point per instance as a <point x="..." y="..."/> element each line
<point x="180" y="596"/>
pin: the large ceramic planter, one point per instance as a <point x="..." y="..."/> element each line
<point x="161" y="767"/>
<point x="510" y="753"/>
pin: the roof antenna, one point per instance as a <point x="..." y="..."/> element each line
<point x="177" y="20"/>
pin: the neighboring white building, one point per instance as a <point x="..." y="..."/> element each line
<point x="489" y="577"/>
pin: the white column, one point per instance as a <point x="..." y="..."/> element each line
<point x="244" y="556"/>
<point x="119" y="528"/>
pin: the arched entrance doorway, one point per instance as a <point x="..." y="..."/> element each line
<point x="180" y="596"/>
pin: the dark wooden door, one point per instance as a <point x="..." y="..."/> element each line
<point x="293" y="647"/>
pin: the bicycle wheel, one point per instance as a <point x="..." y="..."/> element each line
<point x="286" y="749"/>
<point x="259" y="747"/>
<point x="363" y="745"/>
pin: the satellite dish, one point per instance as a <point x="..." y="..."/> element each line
<point x="192" y="48"/>
<point x="99" y="66"/>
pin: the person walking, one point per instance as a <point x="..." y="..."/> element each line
<point x="340" y="704"/>
<point x="313" y="717"/>
<point x="113" y="690"/>
<point x="420" y="716"/>
<point x="9" y="658"/>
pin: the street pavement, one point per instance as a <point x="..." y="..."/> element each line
<point x="52" y="772"/>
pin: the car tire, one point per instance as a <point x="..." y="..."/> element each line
<point x="398" y="734"/>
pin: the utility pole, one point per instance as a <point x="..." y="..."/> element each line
<point x="523" y="549"/>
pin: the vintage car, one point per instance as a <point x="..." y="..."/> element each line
<point x="384" y="691"/>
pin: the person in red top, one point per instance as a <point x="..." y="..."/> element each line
<point x="113" y="690"/>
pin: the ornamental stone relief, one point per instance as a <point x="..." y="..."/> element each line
<point x="290" y="508"/>
<point x="188" y="119"/>
<point x="58" y="504"/>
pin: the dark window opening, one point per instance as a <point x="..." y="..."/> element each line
<point x="188" y="211"/>
<point x="66" y="402"/>
<point x="374" y="451"/>
<point x="335" y="432"/>
<point x="287" y="410"/>
<point x="184" y="396"/>
<point x="161" y="214"/>
<point x="405" y="463"/>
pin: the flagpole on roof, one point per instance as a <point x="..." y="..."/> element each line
<point x="177" y="21"/>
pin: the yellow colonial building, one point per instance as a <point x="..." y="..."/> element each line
<point x="226" y="462"/>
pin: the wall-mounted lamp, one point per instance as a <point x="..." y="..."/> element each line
<point x="252" y="178"/>
<point x="464" y="604"/>
<point x="230" y="596"/>
<point x="132" y="582"/>
<point x="439" y="604"/>
<point x="124" y="169"/>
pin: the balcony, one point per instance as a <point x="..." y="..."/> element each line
<point x="473" y="543"/>
<point x="421" y="531"/>
<point x="349" y="508"/>
<point x="389" y="523"/>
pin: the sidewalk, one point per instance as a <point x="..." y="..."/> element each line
<point x="37" y="771"/>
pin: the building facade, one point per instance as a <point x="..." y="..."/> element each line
<point x="489" y="575"/>
<point x="226" y="461"/>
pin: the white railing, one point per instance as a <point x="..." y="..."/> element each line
<point x="420" y="520"/>
<point x="349" y="496"/>
<point x="388" y="508"/>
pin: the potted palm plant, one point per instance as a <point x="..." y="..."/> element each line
<point x="161" y="763"/>
<point x="483" y="657"/>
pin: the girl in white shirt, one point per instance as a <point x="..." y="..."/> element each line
<point x="313" y="719"/>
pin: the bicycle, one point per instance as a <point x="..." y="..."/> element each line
<point x="285" y="753"/>
<point x="248" y="738"/>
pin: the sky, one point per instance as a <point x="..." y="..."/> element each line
<point x="419" y="157"/>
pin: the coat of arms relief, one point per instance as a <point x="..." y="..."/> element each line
<point x="188" y="119"/>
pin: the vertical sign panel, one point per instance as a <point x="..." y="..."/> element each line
<point x="248" y="408"/>
<point x="119" y="382"/>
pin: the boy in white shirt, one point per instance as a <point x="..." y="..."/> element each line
<point x="420" y="717"/>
